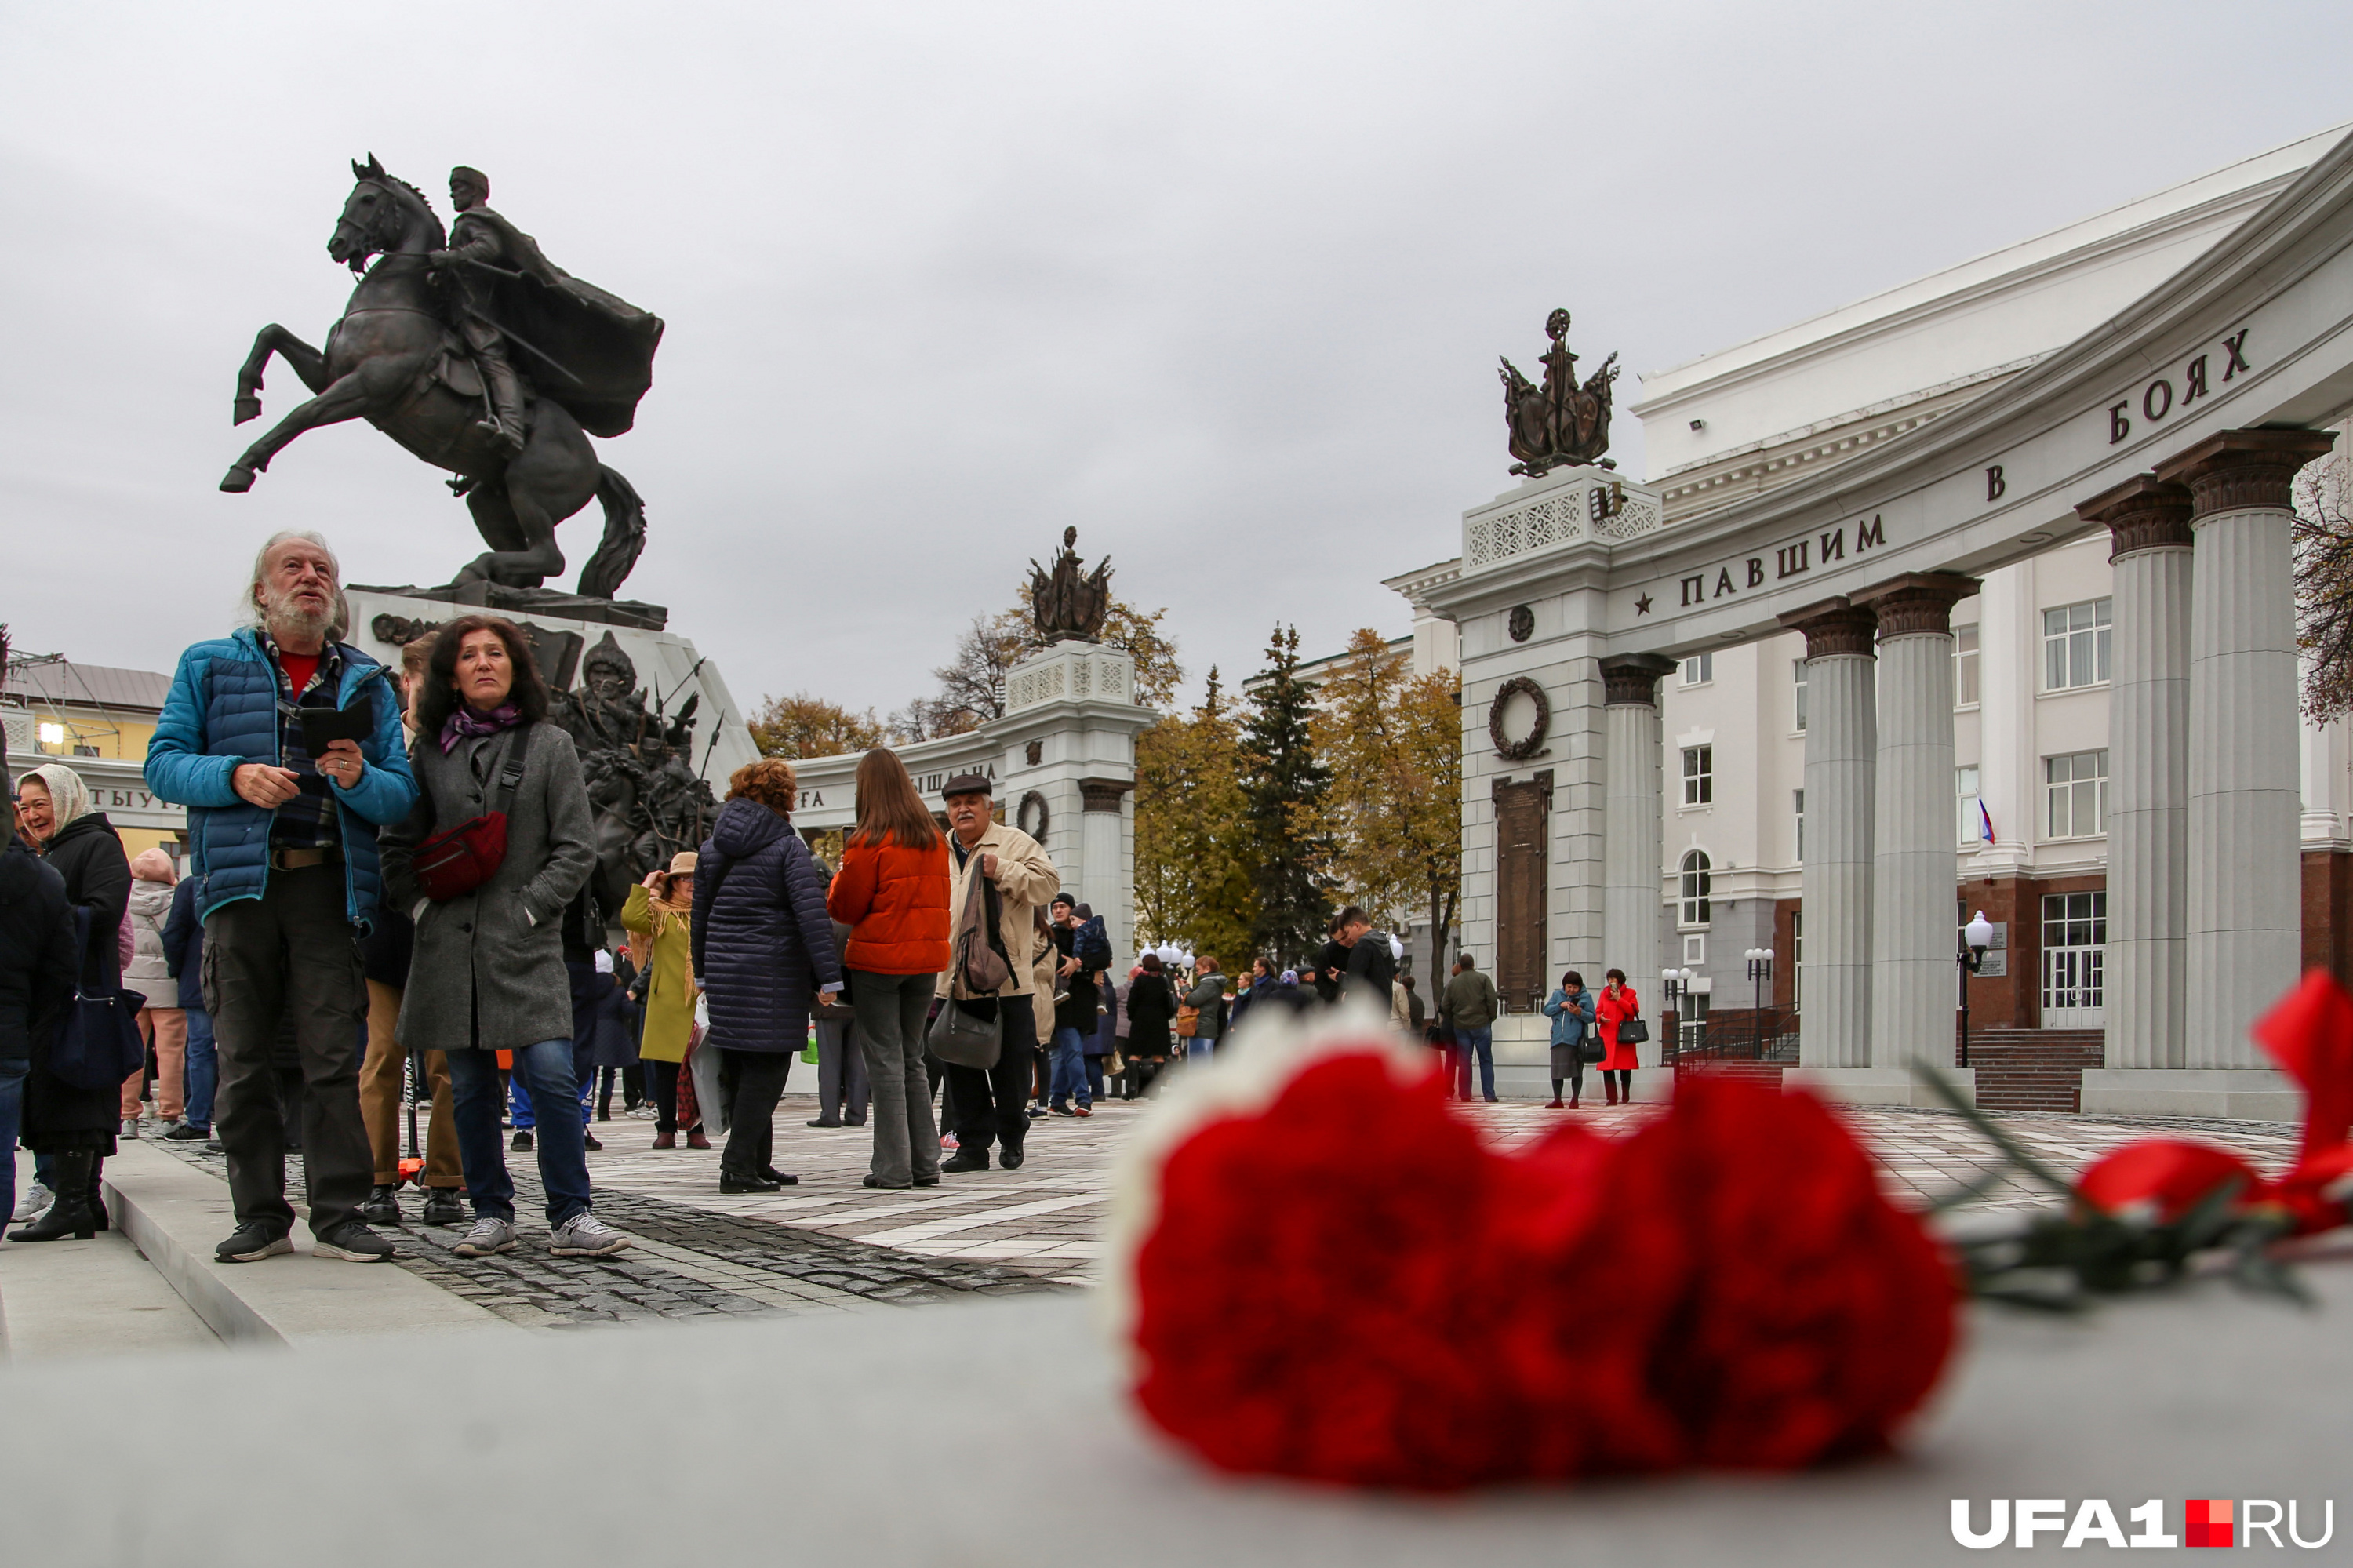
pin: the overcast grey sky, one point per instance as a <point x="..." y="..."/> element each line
<point x="1222" y="284"/>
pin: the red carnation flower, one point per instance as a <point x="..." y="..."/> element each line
<point x="2174" y="1175"/>
<point x="1726" y="1287"/>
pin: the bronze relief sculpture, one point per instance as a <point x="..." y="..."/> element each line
<point x="482" y="357"/>
<point x="1558" y="423"/>
<point x="1068" y="601"/>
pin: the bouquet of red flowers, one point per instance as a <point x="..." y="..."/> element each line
<point x="1321" y="1271"/>
<point x="1327" y="1274"/>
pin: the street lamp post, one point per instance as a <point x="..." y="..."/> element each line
<point x="1760" y="969"/>
<point x="1976" y="938"/>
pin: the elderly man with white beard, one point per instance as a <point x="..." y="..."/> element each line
<point x="285" y="856"/>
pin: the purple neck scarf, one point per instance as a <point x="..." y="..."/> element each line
<point x="465" y="724"/>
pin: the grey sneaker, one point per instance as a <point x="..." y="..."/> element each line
<point x="487" y="1236"/>
<point x="585" y="1236"/>
<point x="35" y="1204"/>
<point x="130" y="1128"/>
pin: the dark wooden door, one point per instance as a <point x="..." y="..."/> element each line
<point x="1521" y="862"/>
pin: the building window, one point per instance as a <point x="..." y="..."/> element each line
<point x="1799" y="667"/>
<point x="1693" y="1023"/>
<point x="1965" y="818"/>
<point x="1699" y="669"/>
<point x="1697" y="883"/>
<point x="1695" y="949"/>
<point x="52" y="734"/>
<point x="1965" y="665"/>
<point x="2075" y="645"/>
<point x="1798" y="797"/>
<point x="1797" y="958"/>
<point x="1699" y="775"/>
<point x="2077" y="785"/>
<point x="2075" y="959"/>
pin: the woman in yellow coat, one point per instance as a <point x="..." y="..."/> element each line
<point x="659" y="915"/>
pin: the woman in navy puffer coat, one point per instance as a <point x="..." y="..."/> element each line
<point x="762" y="951"/>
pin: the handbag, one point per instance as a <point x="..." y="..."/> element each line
<point x="981" y="968"/>
<point x="963" y="1037"/>
<point x="450" y="865"/>
<point x="1188" y="1021"/>
<point x="98" y="1044"/>
<point x="1632" y="1031"/>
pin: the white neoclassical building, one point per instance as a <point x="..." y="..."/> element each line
<point x="1974" y="594"/>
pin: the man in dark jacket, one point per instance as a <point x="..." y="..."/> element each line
<point x="1371" y="964"/>
<point x="288" y="876"/>
<point x="184" y="960"/>
<point x="1076" y="1010"/>
<point x="1470" y="1011"/>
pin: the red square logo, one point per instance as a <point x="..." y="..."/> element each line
<point x="2207" y="1522"/>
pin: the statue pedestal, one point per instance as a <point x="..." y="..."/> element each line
<point x="666" y="667"/>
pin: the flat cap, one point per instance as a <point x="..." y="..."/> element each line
<point x="968" y="784"/>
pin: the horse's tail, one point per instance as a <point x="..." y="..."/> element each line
<point x="625" y="537"/>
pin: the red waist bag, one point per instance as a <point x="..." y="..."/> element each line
<point x="450" y="865"/>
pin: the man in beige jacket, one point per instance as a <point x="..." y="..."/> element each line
<point x="992" y="1104"/>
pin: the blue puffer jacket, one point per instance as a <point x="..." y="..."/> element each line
<point x="1570" y="1018"/>
<point x="222" y="712"/>
<point x="762" y="942"/>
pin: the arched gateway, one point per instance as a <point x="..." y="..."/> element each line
<point x="2177" y="426"/>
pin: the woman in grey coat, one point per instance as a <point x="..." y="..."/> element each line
<point x="1570" y="1008"/>
<point x="487" y="974"/>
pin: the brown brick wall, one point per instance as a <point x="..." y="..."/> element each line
<point x="2328" y="912"/>
<point x="2034" y="1069"/>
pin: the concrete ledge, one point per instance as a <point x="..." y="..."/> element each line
<point x="1880" y="1085"/>
<point x="176" y="1215"/>
<point x="2237" y="1093"/>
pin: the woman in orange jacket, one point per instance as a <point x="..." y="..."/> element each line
<point x="1616" y="1004"/>
<point x="892" y="893"/>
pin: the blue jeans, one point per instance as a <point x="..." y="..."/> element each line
<point x="1480" y="1041"/>
<point x="544" y="1071"/>
<point x="1069" y="1073"/>
<point x="1201" y="1048"/>
<point x="204" y="1069"/>
<point x="11" y="1107"/>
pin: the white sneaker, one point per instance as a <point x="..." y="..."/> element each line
<point x="585" y="1236"/>
<point x="485" y="1237"/>
<point x="35" y="1202"/>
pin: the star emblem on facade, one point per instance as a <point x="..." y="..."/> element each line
<point x="1642" y="604"/>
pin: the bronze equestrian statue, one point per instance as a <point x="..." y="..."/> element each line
<point x="482" y="359"/>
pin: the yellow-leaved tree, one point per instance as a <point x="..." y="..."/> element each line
<point x="1392" y="815"/>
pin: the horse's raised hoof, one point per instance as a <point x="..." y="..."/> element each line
<point x="245" y="408"/>
<point x="238" y="479"/>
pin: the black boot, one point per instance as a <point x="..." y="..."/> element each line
<point x="70" y="1215"/>
<point x="97" y="1191"/>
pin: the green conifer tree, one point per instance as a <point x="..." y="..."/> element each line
<point x="1285" y="787"/>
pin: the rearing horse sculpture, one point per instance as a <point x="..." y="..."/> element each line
<point x="394" y="360"/>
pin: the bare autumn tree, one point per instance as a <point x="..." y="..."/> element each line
<point x="2324" y="587"/>
<point x="972" y="683"/>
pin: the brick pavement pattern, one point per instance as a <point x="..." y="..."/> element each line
<point x="831" y="1244"/>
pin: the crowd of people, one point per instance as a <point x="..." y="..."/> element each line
<point x="390" y="902"/>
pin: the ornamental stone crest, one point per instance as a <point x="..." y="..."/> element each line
<point x="1558" y="423"/>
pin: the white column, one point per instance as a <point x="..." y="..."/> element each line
<point x="1915" y="985"/>
<point x="2149" y="772"/>
<point x="1632" y="758"/>
<point x="1842" y="750"/>
<point x="2245" y="913"/>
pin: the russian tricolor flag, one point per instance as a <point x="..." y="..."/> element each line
<point x="1985" y="821"/>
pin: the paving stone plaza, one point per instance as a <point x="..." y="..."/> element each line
<point x="831" y="1245"/>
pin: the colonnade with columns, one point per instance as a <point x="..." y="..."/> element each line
<point x="2204" y="914"/>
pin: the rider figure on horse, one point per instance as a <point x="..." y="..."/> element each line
<point x="479" y="238"/>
